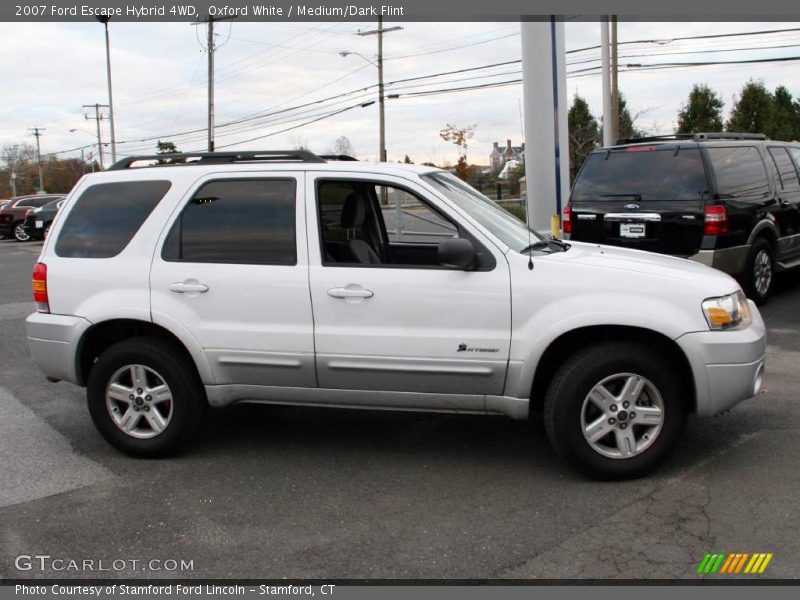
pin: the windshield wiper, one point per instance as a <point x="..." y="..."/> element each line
<point x="549" y="244"/>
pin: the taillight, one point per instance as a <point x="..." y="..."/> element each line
<point x="566" y="221"/>
<point x="715" y="220"/>
<point x="40" y="287"/>
<point x="28" y="212"/>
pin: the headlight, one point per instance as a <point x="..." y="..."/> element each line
<point x="727" y="312"/>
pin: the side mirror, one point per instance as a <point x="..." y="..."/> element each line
<point x="457" y="253"/>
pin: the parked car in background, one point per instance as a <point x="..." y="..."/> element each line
<point x="13" y="214"/>
<point x="37" y="223"/>
<point x="728" y="200"/>
<point x="281" y="277"/>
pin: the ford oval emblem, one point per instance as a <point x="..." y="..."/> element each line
<point x="631" y="206"/>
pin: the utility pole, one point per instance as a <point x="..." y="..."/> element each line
<point x="381" y="111"/>
<point x="614" y="81"/>
<point x="98" y="116"/>
<point x="608" y="140"/>
<point x="210" y="83"/>
<point x="104" y="20"/>
<point x="37" y="132"/>
<point x="12" y="175"/>
<point x="211" y="48"/>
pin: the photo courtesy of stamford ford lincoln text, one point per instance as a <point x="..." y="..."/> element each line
<point x="448" y="300"/>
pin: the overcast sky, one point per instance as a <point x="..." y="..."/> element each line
<point x="50" y="70"/>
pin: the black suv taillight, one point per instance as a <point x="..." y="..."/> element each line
<point x="715" y="220"/>
<point x="566" y="221"/>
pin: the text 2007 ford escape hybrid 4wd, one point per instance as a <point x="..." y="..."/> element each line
<point x="283" y="278"/>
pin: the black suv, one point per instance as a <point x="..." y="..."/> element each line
<point x="728" y="200"/>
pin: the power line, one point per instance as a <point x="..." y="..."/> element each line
<point x="663" y="41"/>
<point x="327" y="116"/>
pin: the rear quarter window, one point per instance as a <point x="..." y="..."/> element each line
<point x="739" y="172"/>
<point x="106" y="216"/>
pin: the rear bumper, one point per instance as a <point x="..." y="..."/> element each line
<point x="32" y="230"/>
<point x="729" y="260"/>
<point x="53" y="342"/>
<point x="728" y="366"/>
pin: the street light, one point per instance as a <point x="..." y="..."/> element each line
<point x="99" y="145"/>
<point x="346" y="53"/>
<point x="104" y="20"/>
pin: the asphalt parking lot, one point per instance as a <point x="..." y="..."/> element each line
<point x="274" y="492"/>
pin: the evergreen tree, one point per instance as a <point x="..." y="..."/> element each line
<point x="754" y="112"/>
<point x="702" y="111"/>
<point x="786" y="122"/>
<point x="583" y="134"/>
<point x="627" y="127"/>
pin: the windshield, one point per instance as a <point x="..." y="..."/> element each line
<point x="501" y="223"/>
<point x="642" y="173"/>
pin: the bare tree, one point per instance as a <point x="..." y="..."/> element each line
<point x="342" y="145"/>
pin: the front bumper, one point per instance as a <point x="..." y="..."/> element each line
<point x="728" y="366"/>
<point x="53" y="341"/>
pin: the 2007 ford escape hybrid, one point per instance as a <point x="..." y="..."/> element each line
<point x="280" y="277"/>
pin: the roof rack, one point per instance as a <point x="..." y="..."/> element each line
<point x="206" y="158"/>
<point x="696" y="137"/>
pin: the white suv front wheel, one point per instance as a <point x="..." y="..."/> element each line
<point x="145" y="398"/>
<point x="614" y="410"/>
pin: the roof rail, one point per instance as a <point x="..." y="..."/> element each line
<point x="729" y="135"/>
<point x="696" y="137"/>
<point x="337" y="157"/>
<point x="205" y="158"/>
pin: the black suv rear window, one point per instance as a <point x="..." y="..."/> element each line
<point x="106" y="216"/>
<point x="642" y="173"/>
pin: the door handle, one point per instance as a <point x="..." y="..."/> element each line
<point x="350" y="293"/>
<point x="784" y="202"/>
<point x="189" y="287"/>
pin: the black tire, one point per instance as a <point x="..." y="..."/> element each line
<point x="756" y="270"/>
<point x="188" y="404"/>
<point x="580" y="374"/>
<point x="19" y="233"/>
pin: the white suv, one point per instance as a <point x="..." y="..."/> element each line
<point x="280" y="277"/>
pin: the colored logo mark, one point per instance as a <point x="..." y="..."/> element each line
<point x="734" y="562"/>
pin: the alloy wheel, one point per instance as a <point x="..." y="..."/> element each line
<point x="20" y="233"/>
<point x="762" y="272"/>
<point x="139" y="401"/>
<point x="622" y="415"/>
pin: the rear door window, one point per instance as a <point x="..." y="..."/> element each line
<point x="240" y="221"/>
<point x="739" y="171"/>
<point x="106" y="216"/>
<point x="642" y="173"/>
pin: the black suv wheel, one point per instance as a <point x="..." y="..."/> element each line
<point x="759" y="271"/>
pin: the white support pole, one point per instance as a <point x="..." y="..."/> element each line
<point x="545" y="112"/>
<point x="608" y="118"/>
